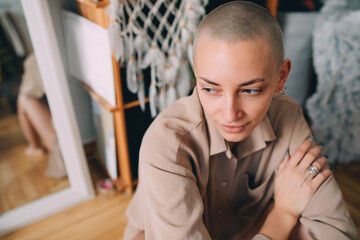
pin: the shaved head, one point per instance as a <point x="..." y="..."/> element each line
<point x="242" y="21"/>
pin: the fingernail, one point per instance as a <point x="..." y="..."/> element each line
<point x="311" y="139"/>
<point x="286" y="153"/>
<point x="326" y="156"/>
<point x="331" y="167"/>
<point x="321" y="146"/>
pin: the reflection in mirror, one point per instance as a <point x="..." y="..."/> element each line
<point x="31" y="163"/>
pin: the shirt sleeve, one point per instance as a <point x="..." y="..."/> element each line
<point x="167" y="203"/>
<point x="173" y="207"/>
<point x="326" y="216"/>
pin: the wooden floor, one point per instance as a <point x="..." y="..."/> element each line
<point x="100" y="218"/>
<point x="22" y="177"/>
<point x="348" y="178"/>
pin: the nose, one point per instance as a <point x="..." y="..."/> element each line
<point x="231" y="109"/>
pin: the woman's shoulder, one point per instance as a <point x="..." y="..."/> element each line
<point x="284" y="112"/>
<point x="283" y="105"/>
<point x="284" y="100"/>
<point x="173" y="127"/>
<point x="180" y="117"/>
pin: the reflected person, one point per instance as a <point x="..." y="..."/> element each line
<point x="35" y="119"/>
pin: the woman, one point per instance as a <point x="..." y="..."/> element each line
<point x="209" y="163"/>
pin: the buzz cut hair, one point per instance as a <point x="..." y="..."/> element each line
<point x="242" y="21"/>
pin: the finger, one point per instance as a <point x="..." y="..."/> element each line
<point x="300" y="152"/>
<point x="320" y="178"/>
<point x="284" y="161"/>
<point x="310" y="157"/>
<point x="320" y="163"/>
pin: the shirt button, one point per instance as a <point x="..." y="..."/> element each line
<point x="224" y="183"/>
<point x="219" y="212"/>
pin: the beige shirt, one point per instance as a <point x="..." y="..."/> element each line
<point x="31" y="83"/>
<point x="191" y="186"/>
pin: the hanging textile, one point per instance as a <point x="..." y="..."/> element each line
<point x="334" y="108"/>
<point x="156" y="35"/>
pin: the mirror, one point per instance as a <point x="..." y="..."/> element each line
<point x="52" y="175"/>
<point x="32" y="165"/>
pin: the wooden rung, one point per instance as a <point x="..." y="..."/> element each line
<point x="134" y="103"/>
<point x="95" y="11"/>
<point x="121" y="186"/>
<point x="105" y="104"/>
<point x="99" y="4"/>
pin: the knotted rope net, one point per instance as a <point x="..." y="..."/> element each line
<point x="156" y="35"/>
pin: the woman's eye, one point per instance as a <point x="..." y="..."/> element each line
<point x="251" y="91"/>
<point x="209" y="90"/>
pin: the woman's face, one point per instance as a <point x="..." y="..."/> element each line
<point x="235" y="83"/>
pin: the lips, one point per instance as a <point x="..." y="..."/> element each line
<point x="233" y="128"/>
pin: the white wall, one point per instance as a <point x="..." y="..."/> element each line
<point x="80" y="99"/>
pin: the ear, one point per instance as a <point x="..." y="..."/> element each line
<point x="283" y="74"/>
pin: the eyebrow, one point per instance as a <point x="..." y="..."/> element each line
<point x="256" y="80"/>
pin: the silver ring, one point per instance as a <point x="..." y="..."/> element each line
<point x="313" y="171"/>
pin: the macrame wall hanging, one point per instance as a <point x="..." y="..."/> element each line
<point x="158" y="35"/>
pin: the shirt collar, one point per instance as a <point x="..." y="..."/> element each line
<point x="254" y="142"/>
<point x="217" y="142"/>
<point x="257" y="139"/>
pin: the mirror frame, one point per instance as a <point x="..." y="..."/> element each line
<point x="46" y="48"/>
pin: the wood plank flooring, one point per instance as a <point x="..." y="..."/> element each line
<point x="100" y="218"/>
<point x="22" y="178"/>
<point x="348" y="178"/>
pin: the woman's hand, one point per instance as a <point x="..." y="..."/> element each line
<point x="295" y="184"/>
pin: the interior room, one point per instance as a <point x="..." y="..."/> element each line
<point x="70" y="141"/>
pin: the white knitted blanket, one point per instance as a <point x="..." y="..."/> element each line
<point x="334" y="109"/>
